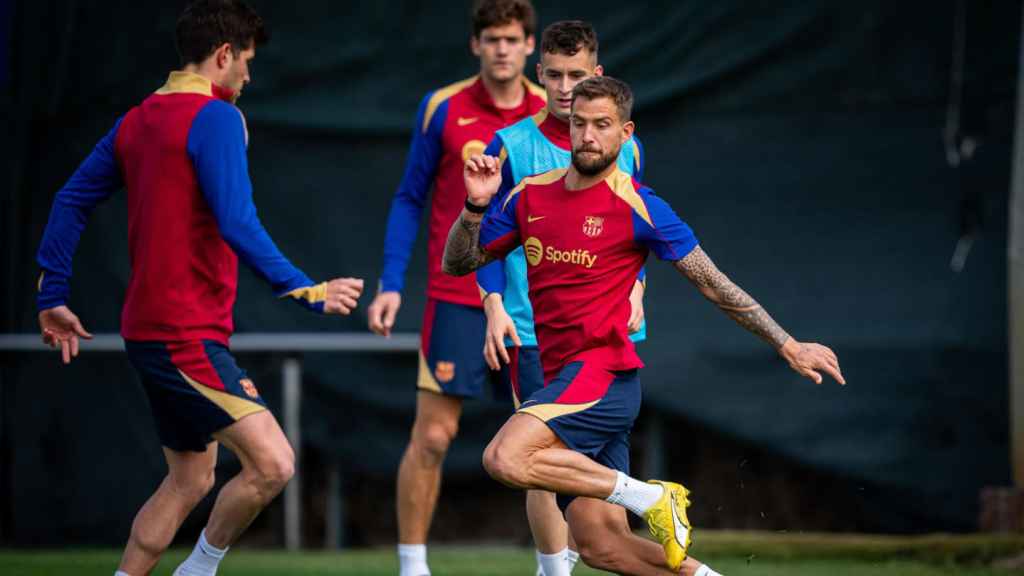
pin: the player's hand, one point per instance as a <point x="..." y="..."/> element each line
<point x="382" y="312"/>
<point x="636" y="307"/>
<point x="342" y="295"/>
<point x="807" y="358"/>
<point x="482" y="175"/>
<point x="61" y="328"/>
<point x="499" y="325"/>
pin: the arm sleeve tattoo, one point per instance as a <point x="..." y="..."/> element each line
<point x="462" y="251"/>
<point x="717" y="287"/>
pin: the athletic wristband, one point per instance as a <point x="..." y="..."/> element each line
<point x="474" y="208"/>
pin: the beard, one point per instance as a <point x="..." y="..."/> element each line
<point x="591" y="166"/>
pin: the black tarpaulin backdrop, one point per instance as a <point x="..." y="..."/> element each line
<point x="803" y="141"/>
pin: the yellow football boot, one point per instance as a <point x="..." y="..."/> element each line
<point x="668" y="523"/>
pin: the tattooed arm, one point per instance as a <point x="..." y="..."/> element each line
<point x="804" y="358"/>
<point x="462" y="251"/>
<point x="716" y="287"/>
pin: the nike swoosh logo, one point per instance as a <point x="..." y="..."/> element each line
<point x="531" y="219"/>
<point x="681" y="530"/>
<point x="466" y="121"/>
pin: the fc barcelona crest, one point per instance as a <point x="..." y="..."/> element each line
<point x="593" y="226"/>
<point x="444" y="372"/>
<point x="249" y="388"/>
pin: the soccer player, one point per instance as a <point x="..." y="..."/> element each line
<point x="568" y="55"/>
<point x="181" y="155"/>
<point x="452" y="124"/>
<point x="586" y="231"/>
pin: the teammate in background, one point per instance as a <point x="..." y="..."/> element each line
<point x="452" y="124"/>
<point x="568" y="55"/>
<point x="181" y="155"/>
<point x="580" y="273"/>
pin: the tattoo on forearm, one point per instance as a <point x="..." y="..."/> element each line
<point x="717" y="287"/>
<point x="462" y="252"/>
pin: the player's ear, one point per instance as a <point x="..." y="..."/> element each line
<point x="531" y="43"/>
<point x="223" y="56"/>
<point x="627" y="131"/>
<point x="540" y="76"/>
<point x="598" y="70"/>
<point x="474" y="45"/>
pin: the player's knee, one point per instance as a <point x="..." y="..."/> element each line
<point x="275" y="471"/>
<point x="598" y="550"/>
<point x="193" y="487"/>
<point x="433" y="439"/>
<point x="502" y="463"/>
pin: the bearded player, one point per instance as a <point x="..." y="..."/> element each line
<point x="587" y="231"/>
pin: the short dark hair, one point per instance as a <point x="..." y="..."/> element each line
<point x="207" y="24"/>
<point x="568" y="37"/>
<point x="606" y="87"/>
<point x="487" y="13"/>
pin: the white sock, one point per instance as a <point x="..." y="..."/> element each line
<point x="634" y="495"/>
<point x="412" y="560"/>
<point x="203" y="560"/>
<point x="553" y="564"/>
<point x="119" y="573"/>
<point x="705" y="570"/>
<point x="540" y="567"/>
<point x="571" y="558"/>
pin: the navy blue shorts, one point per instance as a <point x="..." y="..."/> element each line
<point x="592" y="411"/>
<point x="525" y="374"/>
<point x="451" y="353"/>
<point x="194" y="389"/>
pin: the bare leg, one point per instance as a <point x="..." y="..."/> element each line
<point x="526" y="454"/>
<point x="268" y="462"/>
<point x="549" y="529"/>
<point x="605" y="541"/>
<point x="189" y="478"/>
<point x="419" y="474"/>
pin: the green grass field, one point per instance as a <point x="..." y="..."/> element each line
<point x="731" y="553"/>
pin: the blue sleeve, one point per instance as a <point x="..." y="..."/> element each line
<point x="491" y="278"/>
<point x="499" y="231"/>
<point x="93" y="182"/>
<point x="661" y="230"/>
<point x="407" y="205"/>
<point x="217" y="148"/>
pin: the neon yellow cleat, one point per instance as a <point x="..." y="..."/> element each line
<point x="668" y="523"/>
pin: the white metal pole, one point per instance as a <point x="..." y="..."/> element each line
<point x="291" y="394"/>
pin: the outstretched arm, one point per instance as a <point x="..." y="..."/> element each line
<point x="805" y="358"/>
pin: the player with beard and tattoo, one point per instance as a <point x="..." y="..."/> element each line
<point x="586" y="231"/>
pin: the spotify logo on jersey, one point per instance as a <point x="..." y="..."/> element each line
<point x="534" y="250"/>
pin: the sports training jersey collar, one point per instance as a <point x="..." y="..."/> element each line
<point x="181" y="82"/>
<point x="479" y="93"/>
<point x="555" y="130"/>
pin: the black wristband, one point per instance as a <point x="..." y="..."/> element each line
<point x="474" y="208"/>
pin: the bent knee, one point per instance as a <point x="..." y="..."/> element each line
<point x="275" y="470"/>
<point x="432" y="439"/>
<point x="598" y="552"/>
<point x="505" y="464"/>
<point x="193" y="487"/>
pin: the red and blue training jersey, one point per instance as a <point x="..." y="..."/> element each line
<point x="181" y="156"/>
<point x="584" y="249"/>
<point x="452" y="124"/>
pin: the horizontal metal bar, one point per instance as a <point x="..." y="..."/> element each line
<point x="247" y="342"/>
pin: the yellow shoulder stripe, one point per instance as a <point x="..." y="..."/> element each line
<point x="541" y="116"/>
<point x="622" y="184"/>
<point x="311" y="294"/>
<point x="536" y="90"/>
<point x="539" y="179"/>
<point x="440" y="96"/>
<point x="502" y="155"/>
